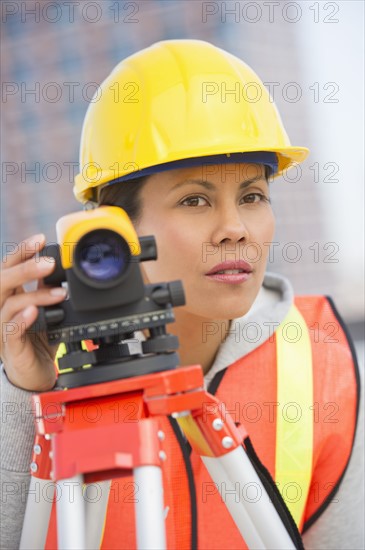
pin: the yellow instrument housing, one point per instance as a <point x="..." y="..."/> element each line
<point x="72" y="227"/>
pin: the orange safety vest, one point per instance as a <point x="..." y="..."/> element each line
<point x="307" y="459"/>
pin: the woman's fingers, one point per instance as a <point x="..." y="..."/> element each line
<point x="20" y="302"/>
<point x="18" y="275"/>
<point x="27" y="357"/>
<point x="28" y="364"/>
<point x="18" y="314"/>
<point x="24" y="250"/>
<point x="14" y="331"/>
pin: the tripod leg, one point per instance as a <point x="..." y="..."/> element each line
<point x="37" y="514"/>
<point x="149" y="508"/>
<point x="233" y="473"/>
<point x="71" y="514"/>
<point x="95" y="512"/>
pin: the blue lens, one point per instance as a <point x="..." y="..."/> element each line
<point x="103" y="256"/>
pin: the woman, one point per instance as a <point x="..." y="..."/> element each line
<point x="193" y="166"/>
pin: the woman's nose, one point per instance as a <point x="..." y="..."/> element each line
<point x="229" y="227"/>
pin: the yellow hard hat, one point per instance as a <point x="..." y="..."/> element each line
<point x="174" y="101"/>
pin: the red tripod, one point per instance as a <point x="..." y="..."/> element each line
<point x="72" y="449"/>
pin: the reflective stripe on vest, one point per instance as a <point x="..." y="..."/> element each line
<point x="294" y="425"/>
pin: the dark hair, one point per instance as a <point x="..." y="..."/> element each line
<point x="268" y="173"/>
<point x="127" y="195"/>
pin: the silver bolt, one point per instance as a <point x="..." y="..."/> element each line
<point x="180" y="414"/>
<point x="33" y="467"/>
<point x="218" y="424"/>
<point x="37" y="449"/>
<point x="161" y="435"/>
<point x="47" y="436"/>
<point x="51" y="454"/>
<point x="227" y="442"/>
<point x="162" y="455"/>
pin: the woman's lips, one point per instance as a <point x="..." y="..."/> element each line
<point x="231" y="272"/>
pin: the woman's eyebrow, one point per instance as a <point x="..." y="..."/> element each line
<point x="212" y="187"/>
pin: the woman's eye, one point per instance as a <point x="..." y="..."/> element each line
<point x="255" y="197"/>
<point x="194" y="201"/>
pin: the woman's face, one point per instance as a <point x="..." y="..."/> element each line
<point x="213" y="227"/>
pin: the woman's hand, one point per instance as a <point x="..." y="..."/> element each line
<point x="28" y="358"/>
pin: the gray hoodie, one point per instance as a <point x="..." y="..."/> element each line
<point x="341" y="526"/>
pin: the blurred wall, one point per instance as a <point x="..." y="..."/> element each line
<point x="309" y="54"/>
